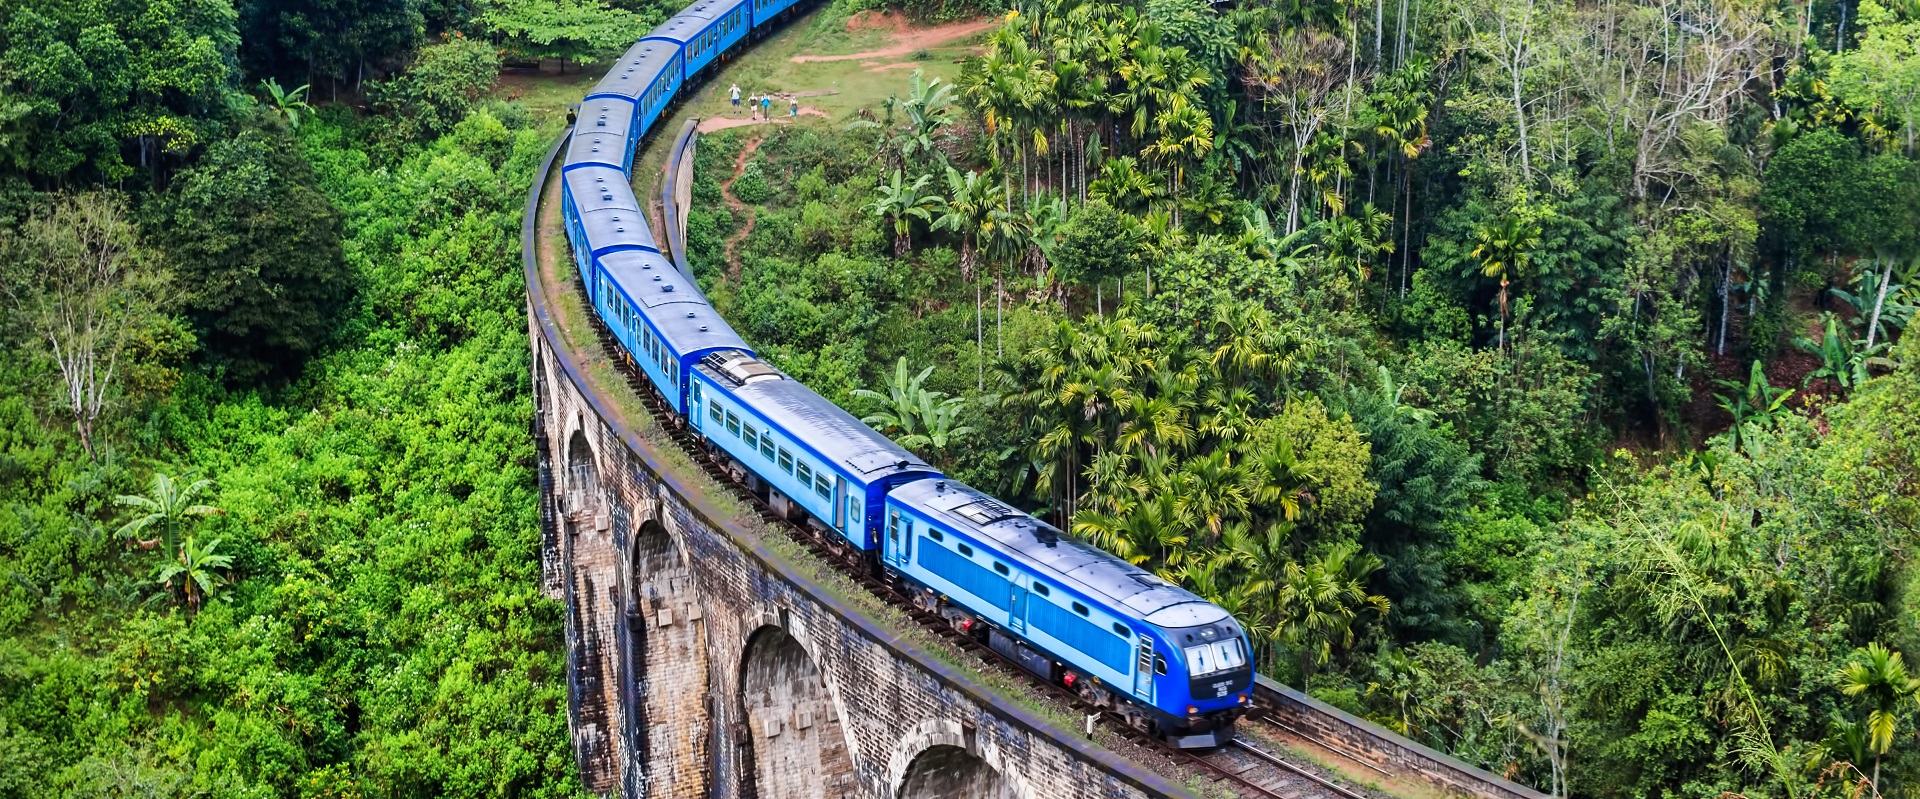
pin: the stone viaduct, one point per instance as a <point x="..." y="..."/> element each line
<point x="705" y="659"/>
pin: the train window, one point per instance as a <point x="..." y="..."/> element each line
<point x="1001" y="568"/>
<point x="822" y="487"/>
<point x="937" y="536"/>
<point x="752" y="435"/>
<point x="804" y="472"/>
<point x="1159" y="665"/>
<point x="766" y="446"/>
<point x="1121" y="630"/>
<point x="893" y="525"/>
<point x="733" y="423"/>
<point x="786" y="461"/>
<point x="966" y="550"/>
<point x="1080" y="609"/>
<point x="713" y="410"/>
<point x="1041" y="589"/>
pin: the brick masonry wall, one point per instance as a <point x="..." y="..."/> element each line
<point x="1404" y="758"/>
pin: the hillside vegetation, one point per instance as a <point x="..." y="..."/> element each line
<point x="1531" y="376"/>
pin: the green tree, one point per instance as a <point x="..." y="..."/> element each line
<point x="1881" y="74"/>
<point x="901" y="202"/>
<point x="95" y="82"/>
<point x="438" y="88"/>
<point x="169" y="505"/>
<point x="88" y="294"/>
<point x="1755" y="403"/>
<point x="334" y="39"/>
<point x="578" y="30"/>
<point x="1315" y="606"/>
<point x="1099" y="243"/>
<point x="1879" y="678"/>
<point x="258" y="245"/>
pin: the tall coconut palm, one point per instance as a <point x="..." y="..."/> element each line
<point x="169" y="505"/>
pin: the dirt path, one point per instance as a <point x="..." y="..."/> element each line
<point x="907" y="41"/>
<point x="711" y="124"/>
<point x="726" y="193"/>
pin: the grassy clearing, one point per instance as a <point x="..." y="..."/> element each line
<point x="857" y="84"/>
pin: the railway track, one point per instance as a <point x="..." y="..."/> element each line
<point x="1244" y="768"/>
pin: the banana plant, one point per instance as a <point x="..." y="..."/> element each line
<point x="1756" y="403"/>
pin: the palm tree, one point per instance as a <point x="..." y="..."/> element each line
<point x="196" y="566"/>
<point x="973" y="208"/>
<point x="1150" y="532"/>
<point x="1314" y="606"/>
<point x="288" y="104"/>
<point x="1880" y="677"/>
<point x="1503" y="247"/>
<point x="166" y="504"/>
<point x="901" y="202"/>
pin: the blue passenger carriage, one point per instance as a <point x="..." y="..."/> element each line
<point x="647" y="75"/>
<point x="705" y="29"/>
<point x="602" y="216"/>
<point x="1071" y="613"/>
<point x="604" y="135"/>
<point x="809" y="454"/>
<point x="661" y="318"/>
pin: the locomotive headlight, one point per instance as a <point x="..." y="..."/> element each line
<point x="1243" y="699"/>
<point x="1192" y="710"/>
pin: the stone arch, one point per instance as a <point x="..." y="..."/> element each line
<point x="795" y="743"/>
<point x="942" y="757"/>
<point x="946" y="771"/>
<point x="583" y="474"/>
<point x="667" y="658"/>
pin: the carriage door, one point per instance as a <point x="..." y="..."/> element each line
<point x="840" y="508"/>
<point x="1017" y="615"/>
<point x="1143" y="670"/>
<point x="696" y="407"/>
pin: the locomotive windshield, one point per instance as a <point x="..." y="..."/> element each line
<point x="1215" y="657"/>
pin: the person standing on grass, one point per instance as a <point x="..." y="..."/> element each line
<point x="766" y="106"/>
<point x="735" y="94"/>
<point x="793" y="106"/>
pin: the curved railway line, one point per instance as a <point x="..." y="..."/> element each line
<point x="1245" y="768"/>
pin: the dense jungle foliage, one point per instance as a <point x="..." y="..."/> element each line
<point x="269" y="519"/>
<point x="1529" y="375"/>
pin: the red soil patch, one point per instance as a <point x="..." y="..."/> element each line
<point x="906" y="41"/>
<point x="876" y="21"/>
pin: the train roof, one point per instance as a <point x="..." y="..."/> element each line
<point x="671" y="302"/>
<point x="596" y="188"/>
<point x="812" y="419"/>
<point x="617" y="227"/>
<point x="635" y="71"/>
<point x="1126" y="588"/>
<point x="692" y="20"/>
<point x="600" y="132"/>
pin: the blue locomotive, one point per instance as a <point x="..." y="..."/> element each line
<point x="1125" y="640"/>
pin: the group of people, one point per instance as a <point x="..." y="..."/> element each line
<point x="761" y="105"/>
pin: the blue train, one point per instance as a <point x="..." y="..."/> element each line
<point x="1164" y="659"/>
